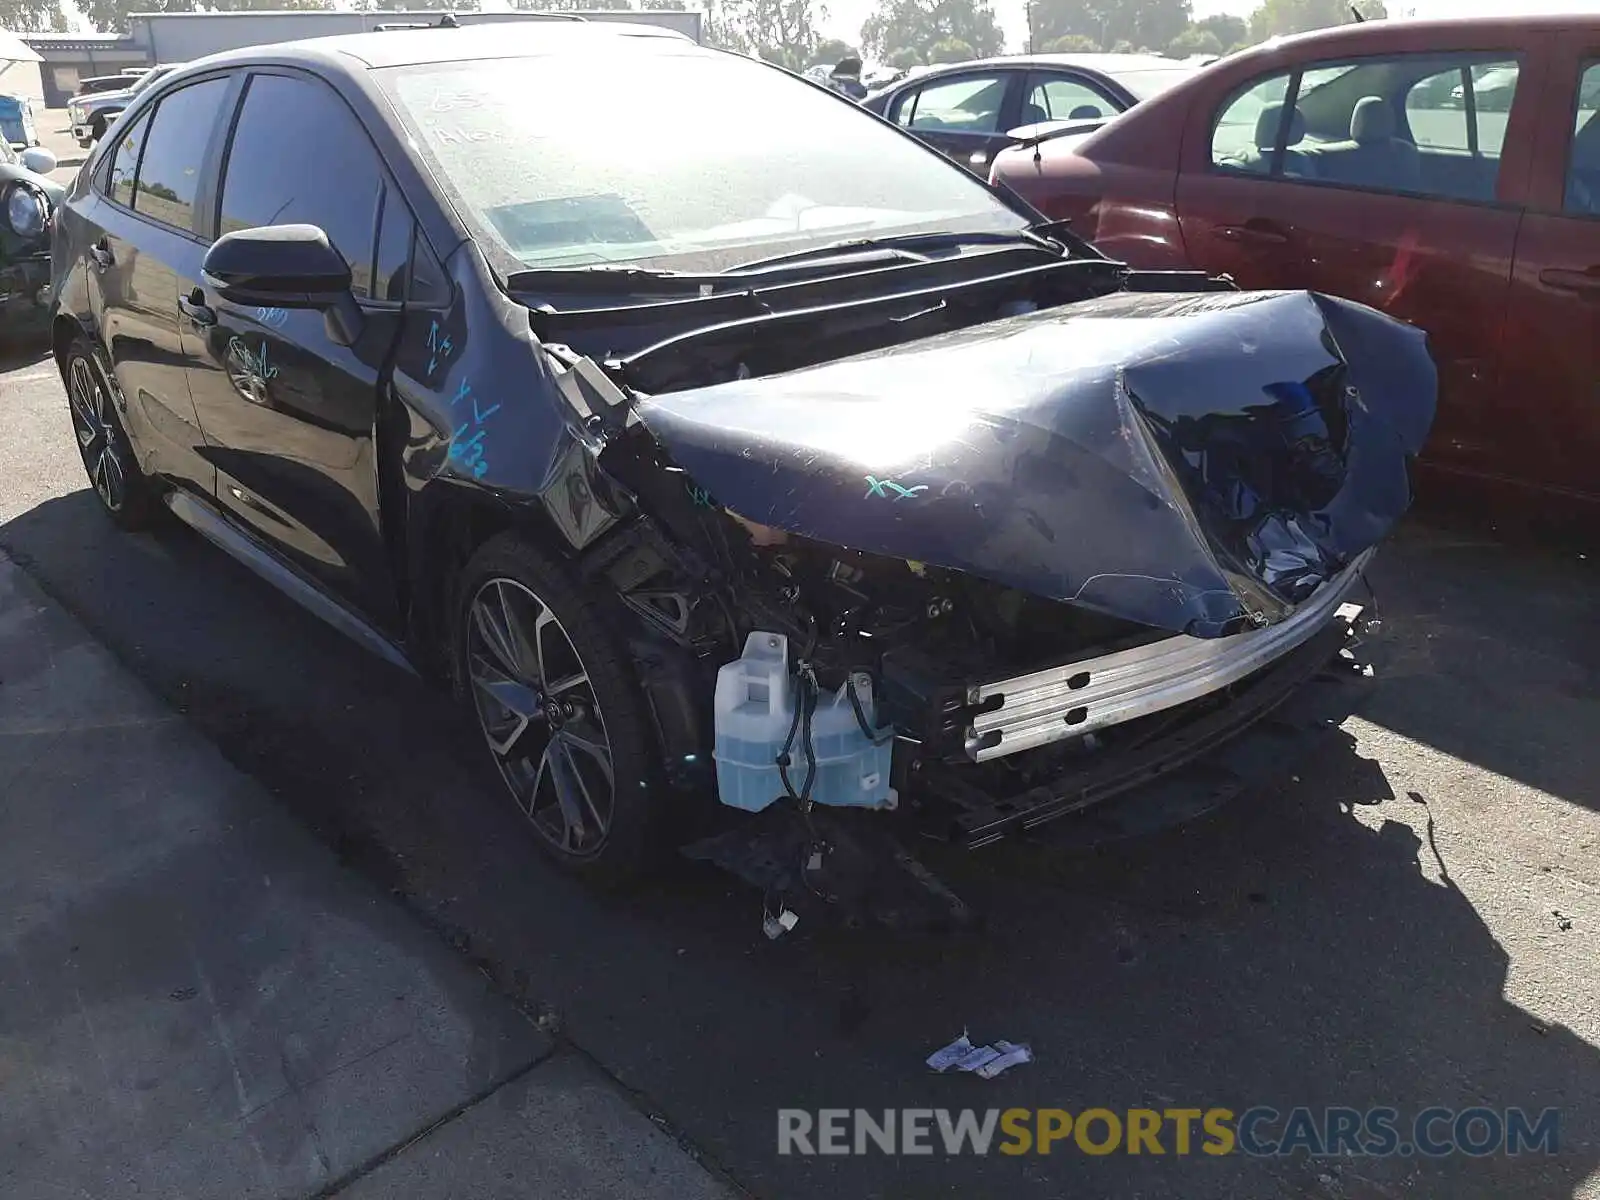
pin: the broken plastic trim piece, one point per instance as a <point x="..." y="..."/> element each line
<point x="593" y="395"/>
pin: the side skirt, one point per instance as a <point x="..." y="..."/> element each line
<point x="226" y="536"/>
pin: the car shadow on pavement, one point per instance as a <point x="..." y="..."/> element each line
<point x="1304" y="946"/>
<point x="1491" y="652"/>
<point x="23" y="351"/>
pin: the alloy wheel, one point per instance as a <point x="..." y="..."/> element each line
<point x="540" y="716"/>
<point x="96" y="428"/>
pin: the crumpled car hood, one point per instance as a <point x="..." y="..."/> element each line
<point x="1194" y="462"/>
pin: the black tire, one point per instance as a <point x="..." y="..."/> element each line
<point x="94" y="406"/>
<point x="97" y="129"/>
<point x="568" y="776"/>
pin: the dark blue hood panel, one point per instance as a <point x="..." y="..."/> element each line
<point x="1195" y="462"/>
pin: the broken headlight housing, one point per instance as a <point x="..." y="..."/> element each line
<point x="27" y="210"/>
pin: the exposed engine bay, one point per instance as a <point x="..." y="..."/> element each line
<point x="992" y="574"/>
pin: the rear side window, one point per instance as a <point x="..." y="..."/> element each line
<point x="125" y="163"/>
<point x="299" y="156"/>
<point x="970" y="104"/>
<point x="174" y="152"/>
<point x="1058" y="98"/>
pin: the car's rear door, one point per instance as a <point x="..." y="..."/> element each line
<point x="1421" y="223"/>
<point x="1547" y="402"/>
<point x="965" y="115"/>
<point x="289" y="412"/>
<point x="1053" y="95"/>
<point x="141" y="242"/>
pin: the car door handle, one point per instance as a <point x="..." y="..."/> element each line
<point x="101" y="253"/>
<point x="194" y="307"/>
<point x="1258" y="235"/>
<point x="1572" y="281"/>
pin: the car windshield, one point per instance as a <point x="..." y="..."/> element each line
<point x="682" y="159"/>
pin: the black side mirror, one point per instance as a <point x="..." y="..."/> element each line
<point x="285" y="266"/>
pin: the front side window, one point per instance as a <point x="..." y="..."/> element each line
<point x="1464" y="108"/>
<point x="299" y="156"/>
<point x="174" y="152"/>
<point x="555" y="165"/>
<point x="1583" y="162"/>
<point x="125" y="163"/>
<point x="1057" y="98"/>
<point x="1247" y="128"/>
<point x="970" y="104"/>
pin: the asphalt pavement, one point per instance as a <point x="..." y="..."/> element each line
<point x="1408" y="920"/>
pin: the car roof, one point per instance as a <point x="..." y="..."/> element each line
<point x="1106" y="64"/>
<point x="469" y="42"/>
<point x="1410" y="29"/>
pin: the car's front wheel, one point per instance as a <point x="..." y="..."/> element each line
<point x="560" y="710"/>
<point x="127" y="497"/>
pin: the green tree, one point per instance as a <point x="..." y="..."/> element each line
<point x="1228" y="29"/>
<point x="830" y="51"/>
<point x="784" y="27"/>
<point x="920" y="25"/>
<point x="1194" y="40"/>
<point x="1108" y="22"/>
<point x="780" y="56"/>
<point x="1072" y="43"/>
<point x="950" y="50"/>
<point x="663" y="5"/>
<point x="903" y="59"/>
<point x="32" y="16"/>
<point x="1276" y="18"/>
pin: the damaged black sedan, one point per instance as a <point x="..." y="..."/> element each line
<point x="802" y="471"/>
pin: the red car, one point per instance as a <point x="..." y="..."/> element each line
<point x="1446" y="172"/>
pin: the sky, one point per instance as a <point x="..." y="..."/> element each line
<point x="845" y="16"/>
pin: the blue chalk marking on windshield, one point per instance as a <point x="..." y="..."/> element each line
<point x="273" y="318"/>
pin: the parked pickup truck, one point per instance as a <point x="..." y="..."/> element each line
<point x="91" y="115"/>
<point x="1445" y="172"/>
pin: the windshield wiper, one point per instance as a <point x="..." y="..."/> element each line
<point x="906" y="244"/>
<point x="608" y="277"/>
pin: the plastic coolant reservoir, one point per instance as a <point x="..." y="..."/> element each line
<point x="754" y="706"/>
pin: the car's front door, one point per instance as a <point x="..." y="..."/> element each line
<point x="1361" y="179"/>
<point x="1548" y="398"/>
<point x="141" y="242"/>
<point x="289" y="412"/>
<point x="965" y="116"/>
